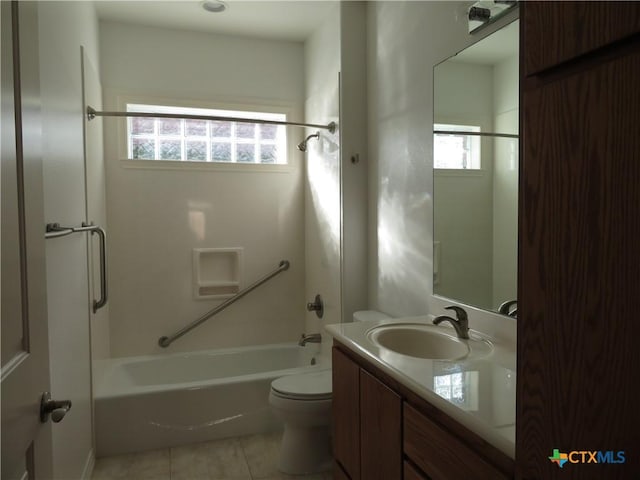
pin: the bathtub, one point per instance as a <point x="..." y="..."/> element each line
<point x="151" y="402"/>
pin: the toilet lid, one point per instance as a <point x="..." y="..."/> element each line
<point x="309" y="386"/>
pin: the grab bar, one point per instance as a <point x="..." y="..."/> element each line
<point x="166" y="341"/>
<point x="54" y="230"/>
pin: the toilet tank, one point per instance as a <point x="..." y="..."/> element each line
<point x="363" y="315"/>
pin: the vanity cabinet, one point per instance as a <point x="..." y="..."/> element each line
<point x="383" y="431"/>
<point x="366" y="423"/>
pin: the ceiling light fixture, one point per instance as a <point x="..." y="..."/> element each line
<point x="214" y="6"/>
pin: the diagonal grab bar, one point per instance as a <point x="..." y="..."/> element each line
<point x="166" y="341"/>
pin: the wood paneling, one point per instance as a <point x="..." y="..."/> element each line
<point x="380" y="430"/>
<point x="338" y="473"/>
<point x="573" y="28"/>
<point x="346" y="413"/>
<point x="579" y="271"/>
<point x="411" y="473"/>
<point x="439" y="454"/>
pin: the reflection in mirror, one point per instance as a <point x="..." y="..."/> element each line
<point x="476" y="173"/>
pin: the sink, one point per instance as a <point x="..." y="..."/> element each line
<point x="419" y="340"/>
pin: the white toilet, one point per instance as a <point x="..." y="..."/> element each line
<point x="303" y="403"/>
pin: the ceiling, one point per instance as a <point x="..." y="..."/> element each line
<point x="281" y="20"/>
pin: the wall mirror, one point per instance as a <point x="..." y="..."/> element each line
<point x="475" y="174"/>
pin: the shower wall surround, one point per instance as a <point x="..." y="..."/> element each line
<point x="335" y="196"/>
<point x="158" y="216"/>
<point x="322" y="209"/>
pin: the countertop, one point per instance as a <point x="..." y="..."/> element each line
<point x="478" y="391"/>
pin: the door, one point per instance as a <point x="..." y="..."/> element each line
<point x="24" y="374"/>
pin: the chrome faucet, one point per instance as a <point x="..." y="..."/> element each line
<point x="460" y="323"/>
<point x="311" y="338"/>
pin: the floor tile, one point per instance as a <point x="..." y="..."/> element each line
<point x="217" y="460"/>
<point x="253" y="457"/>
<point x="154" y="465"/>
<point x="261" y="452"/>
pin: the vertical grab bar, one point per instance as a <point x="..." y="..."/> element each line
<point x="54" y="230"/>
<point x="97" y="304"/>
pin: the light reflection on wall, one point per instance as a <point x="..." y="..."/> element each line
<point x="197" y="220"/>
<point x="402" y="260"/>
<point x="323" y="165"/>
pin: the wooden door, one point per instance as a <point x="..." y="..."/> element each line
<point x="26" y="442"/>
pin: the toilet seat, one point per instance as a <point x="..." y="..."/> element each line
<point x="305" y="386"/>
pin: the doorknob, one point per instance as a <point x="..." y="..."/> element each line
<point x="56" y="408"/>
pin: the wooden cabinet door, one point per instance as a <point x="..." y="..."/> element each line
<point x="555" y="32"/>
<point x="346" y="414"/>
<point x="578" y="325"/>
<point x="380" y="430"/>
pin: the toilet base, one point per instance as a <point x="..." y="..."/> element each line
<point x="305" y="450"/>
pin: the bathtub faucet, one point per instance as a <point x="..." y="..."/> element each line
<point x="311" y="338"/>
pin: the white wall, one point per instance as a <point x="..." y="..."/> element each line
<point x="149" y="210"/>
<point x="322" y="188"/>
<point x="353" y="156"/>
<point x="463" y="199"/>
<point x="505" y="182"/>
<point x="405" y="41"/>
<point x="64" y="27"/>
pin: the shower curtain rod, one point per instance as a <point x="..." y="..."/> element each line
<point x="93" y="113"/>
<point x="477" y="134"/>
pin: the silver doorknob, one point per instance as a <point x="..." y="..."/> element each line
<point x="56" y="408"/>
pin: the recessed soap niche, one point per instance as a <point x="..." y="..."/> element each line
<point x="217" y="272"/>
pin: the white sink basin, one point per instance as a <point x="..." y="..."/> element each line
<point x="420" y="341"/>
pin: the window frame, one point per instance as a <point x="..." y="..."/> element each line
<point x="255" y="106"/>
<point x="476" y="140"/>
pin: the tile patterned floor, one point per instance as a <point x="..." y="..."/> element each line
<point x="243" y="458"/>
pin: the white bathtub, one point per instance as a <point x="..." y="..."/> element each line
<point x="151" y="402"/>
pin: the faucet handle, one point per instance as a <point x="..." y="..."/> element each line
<point x="461" y="314"/>
<point x="316" y="306"/>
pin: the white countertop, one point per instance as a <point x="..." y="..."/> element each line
<point x="478" y="391"/>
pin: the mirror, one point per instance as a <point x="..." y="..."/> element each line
<point x="475" y="174"/>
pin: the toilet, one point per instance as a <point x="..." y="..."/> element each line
<point x="303" y="403"/>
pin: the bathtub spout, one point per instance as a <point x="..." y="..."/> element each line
<point x="311" y="338"/>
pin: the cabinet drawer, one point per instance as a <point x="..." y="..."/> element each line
<point x="439" y="454"/>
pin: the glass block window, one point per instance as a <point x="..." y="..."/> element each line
<point x="206" y="140"/>
<point x="460" y="388"/>
<point x="456" y="150"/>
